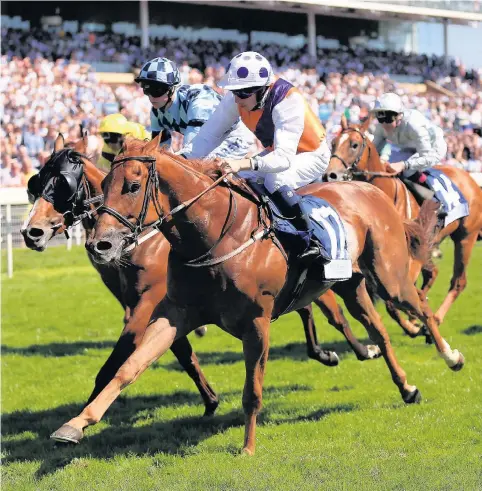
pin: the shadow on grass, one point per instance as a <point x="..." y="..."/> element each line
<point x="57" y="349"/>
<point x="475" y="329"/>
<point x="176" y="436"/>
<point x="293" y="351"/>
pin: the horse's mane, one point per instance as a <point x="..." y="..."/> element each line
<point x="208" y="168"/>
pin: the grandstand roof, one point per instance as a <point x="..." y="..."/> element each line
<point x="354" y="8"/>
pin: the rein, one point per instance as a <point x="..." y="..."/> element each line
<point x="152" y="188"/>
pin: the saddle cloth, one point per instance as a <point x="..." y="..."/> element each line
<point x="448" y="194"/>
<point x="328" y="229"/>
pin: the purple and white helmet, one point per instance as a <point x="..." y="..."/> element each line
<point x="248" y="69"/>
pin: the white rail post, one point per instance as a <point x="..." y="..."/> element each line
<point x="9" y="241"/>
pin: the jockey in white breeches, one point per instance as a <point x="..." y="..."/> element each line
<point x="420" y="143"/>
<point x="296" y="152"/>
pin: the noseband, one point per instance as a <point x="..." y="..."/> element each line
<point x="352" y="170"/>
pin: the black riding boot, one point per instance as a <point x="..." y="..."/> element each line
<point x="291" y="207"/>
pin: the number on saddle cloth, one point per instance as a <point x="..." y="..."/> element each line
<point x="448" y="194"/>
<point x="328" y="230"/>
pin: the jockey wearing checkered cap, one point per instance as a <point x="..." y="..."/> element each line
<point x="296" y="152"/>
<point x="185" y="108"/>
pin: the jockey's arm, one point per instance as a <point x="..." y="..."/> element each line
<point x="199" y="111"/>
<point x="380" y="141"/>
<point x="289" y="122"/>
<point x="212" y="132"/>
<point x="156" y="129"/>
<point x="426" y="156"/>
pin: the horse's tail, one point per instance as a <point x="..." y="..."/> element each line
<point x="421" y="232"/>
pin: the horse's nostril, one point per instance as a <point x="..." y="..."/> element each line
<point x="333" y="176"/>
<point x="35" y="232"/>
<point x="103" y="245"/>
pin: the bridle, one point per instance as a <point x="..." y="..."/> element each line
<point x="151" y="194"/>
<point x="352" y="170"/>
<point x="79" y="208"/>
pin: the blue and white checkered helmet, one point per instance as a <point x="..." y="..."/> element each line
<point x="160" y="70"/>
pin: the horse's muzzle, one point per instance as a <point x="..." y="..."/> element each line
<point x="36" y="238"/>
<point x="334" y="176"/>
<point x="104" y="250"/>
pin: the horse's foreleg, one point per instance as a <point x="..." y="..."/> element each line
<point x="328" y="358"/>
<point x="462" y="253"/>
<point x="157" y="339"/>
<point x="360" y="306"/>
<point x="334" y="313"/>
<point x="255" y="348"/>
<point x="183" y="351"/>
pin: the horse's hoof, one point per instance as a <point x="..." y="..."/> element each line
<point x="201" y="331"/>
<point x="374" y="351"/>
<point x="460" y="364"/>
<point x="67" y="434"/>
<point x="210" y="409"/>
<point x="246" y="452"/>
<point x="414" y="397"/>
<point x="327" y="358"/>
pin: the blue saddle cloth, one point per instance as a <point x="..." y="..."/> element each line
<point x="327" y="225"/>
<point x="448" y="194"/>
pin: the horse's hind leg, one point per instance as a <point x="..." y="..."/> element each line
<point x="334" y="313"/>
<point x="429" y="275"/>
<point x="157" y="339"/>
<point x="360" y="306"/>
<point x="328" y="358"/>
<point x="462" y="253"/>
<point x="407" y="325"/>
<point x="415" y="302"/>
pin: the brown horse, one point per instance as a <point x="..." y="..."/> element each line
<point x="356" y="157"/>
<point x="225" y="268"/>
<point x="138" y="282"/>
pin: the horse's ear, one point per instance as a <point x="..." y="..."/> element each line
<point x="59" y="143"/>
<point x="153" y="145"/>
<point x="344" y="122"/>
<point x="81" y="145"/>
<point x="366" y="124"/>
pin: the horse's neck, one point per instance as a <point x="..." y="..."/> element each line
<point x="387" y="184"/>
<point x="193" y="231"/>
<point x="94" y="177"/>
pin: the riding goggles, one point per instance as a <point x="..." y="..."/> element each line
<point x="155" y="90"/>
<point x="245" y="93"/>
<point x="386" y="116"/>
<point x="111" y="137"/>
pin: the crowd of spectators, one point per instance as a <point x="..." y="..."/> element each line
<point x="47" y="86"/>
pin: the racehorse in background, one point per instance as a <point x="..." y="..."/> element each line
<point x="215" y="223"/>
<point x="355" y="157"/>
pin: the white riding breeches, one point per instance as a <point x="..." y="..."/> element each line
<point x="304" y="169"/>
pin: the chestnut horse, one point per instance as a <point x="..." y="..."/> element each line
<point x="225" y="268"/>
<point x="139" y="282"/>
<point x="355" y="156"/>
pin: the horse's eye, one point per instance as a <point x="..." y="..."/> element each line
<point x="134" y="187"/>
<point x="354" y="146"/>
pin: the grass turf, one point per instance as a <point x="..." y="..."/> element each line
<point x="341" y="428"/>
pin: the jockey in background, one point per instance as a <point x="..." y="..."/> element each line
<point x="113" y="130"/>
<point x="420" y="143"/>
<point x="296" y="152"/>
<point x="185" y="108"/>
